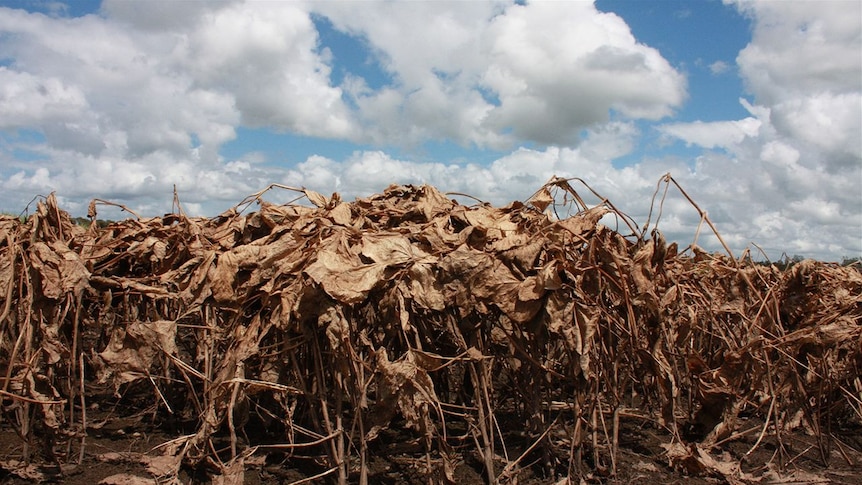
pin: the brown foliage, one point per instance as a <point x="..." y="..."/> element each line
<point x="326" y="325"/>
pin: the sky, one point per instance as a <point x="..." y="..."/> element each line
<point x="753" y="107"/>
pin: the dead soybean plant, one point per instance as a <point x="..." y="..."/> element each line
<point x="329" y="334"/>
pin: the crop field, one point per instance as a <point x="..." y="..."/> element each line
<point x="408" y="338"/>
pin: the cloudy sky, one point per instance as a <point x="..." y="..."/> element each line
<point x="755" y="108"/>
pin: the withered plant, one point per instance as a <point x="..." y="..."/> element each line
<point x="321" y="331"/>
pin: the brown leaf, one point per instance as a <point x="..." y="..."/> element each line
<point x="425" y="289"/>
<point x="337" y="327"/>
<point x="520" y="251"/>
<point x="494" y="220"/>
<point x="341" y="214"/>
<point x="161" y="465"/>
<point x="542" y="199"/>
<point x="132" y="350"/>
<point x="317" y="199"/>
<point x="223" y="274"/>
<point x="231" y="474"/>
<point x="582" y="224"/>
<point x="642" y="267"/>
<point x="487" y="278"/>
<point x="61" y="269"/>
<point x="405" y="387"/>
<point x="342" y="274"/>
<point x="530" y="289"/>
<point x="392" y="249"/>
<point x="126" y="479"/>
<point x="24" y="470"/>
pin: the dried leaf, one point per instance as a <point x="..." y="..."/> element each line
<point x="132" y="351"/>
<point x="425" y="288"/>
<point x="342" y="214"/>
<point x="126" y="479"/>
<point x="316" y="198"/>
<point x="542" y="199"/>
<point x="343" y="276"/>
<point x="161" y="465"/>
<point x="392" y="249"/>
<point x="23" y="470"/>
<point x="231" y="474"/>
<point x="404" y="387"/>
<point x="479" y="308"/>
<point x="60" y="268"/>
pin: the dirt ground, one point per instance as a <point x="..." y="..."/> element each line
<point x="116" y="449"/>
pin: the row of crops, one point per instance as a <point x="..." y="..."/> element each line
<point x="509" y="337"/>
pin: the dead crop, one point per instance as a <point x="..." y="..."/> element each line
<point x="509" y="338"/>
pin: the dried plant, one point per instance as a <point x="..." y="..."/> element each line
<point x="510" y="335"/>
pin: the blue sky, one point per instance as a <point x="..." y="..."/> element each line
<point x="753" y="107"/>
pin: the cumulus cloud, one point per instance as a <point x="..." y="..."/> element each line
<point x="799" y="156"/>
<point x="492" y="75"/>
<point x="26" y="100"/>
<point x="801" y="48"/>
<point x="136" y="100"/>
<point x="514" y="176"/>
<point x="804" y="65"/>
<point x="129" y="100"/>
<point x="550" y="90"/>
<point x="265" y="56"/>
<point x="714" y="133"/>
<point x="143" y="98"/>
<point x="719" y="67"/>
<point x="127" y="103"/>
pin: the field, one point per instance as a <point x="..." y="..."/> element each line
<point x="407" y="338"/>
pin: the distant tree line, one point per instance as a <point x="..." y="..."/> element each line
<point x="787" y="262"/>
<point x="85" y="222"/>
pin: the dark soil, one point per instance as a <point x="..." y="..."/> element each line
<point x="114" y="446"/>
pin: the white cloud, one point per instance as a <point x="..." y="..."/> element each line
<point x="714" y="133"/>
<point x="788" y="177"/>
<point x="492" y="75"/>
<point x="801" y="48"/>
<point x="804" y="64"/>
<point x="168" y="16"/>
<point x="559" y="70"/>
<point x="514" y="176"/>
<point x="829" y="124"/>
<point x="26" y="100"/>
<point x="719" y="67"/>
<point x="134" y="100"/>
<point x="140" y="99"/>
<point x="264" y="54"/>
